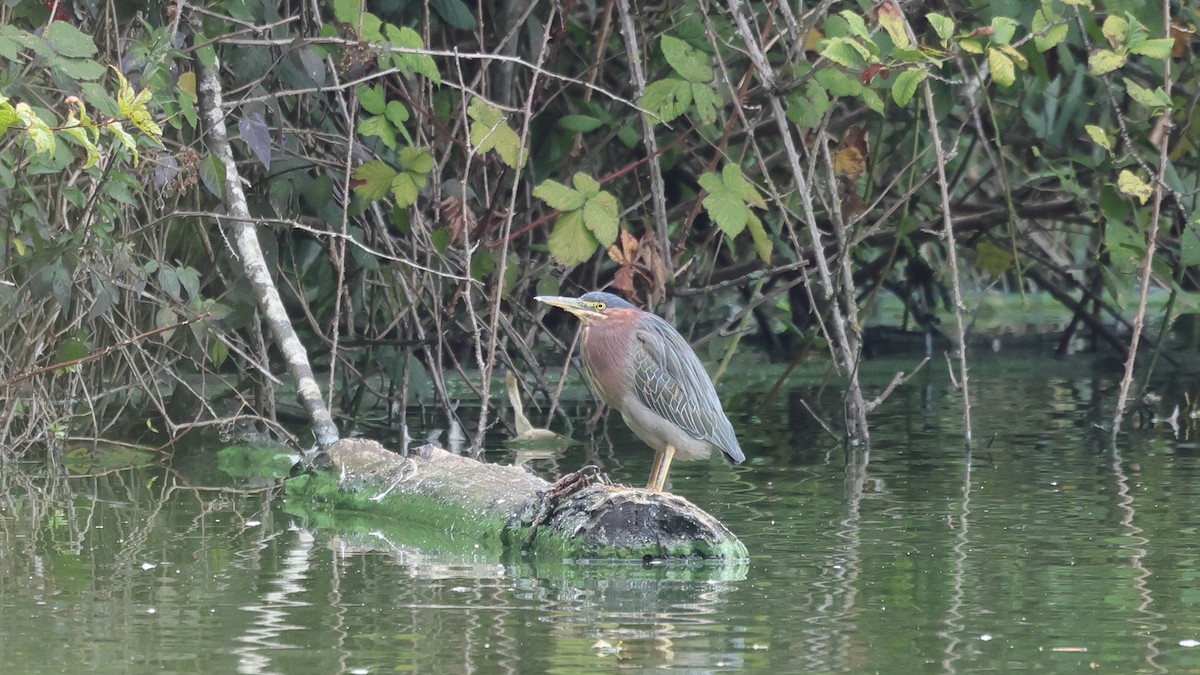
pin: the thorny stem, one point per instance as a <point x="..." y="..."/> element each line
<point x="1151" y="239"/>
<point x="951" y="250"/>
<point x="658" y="190"/>
<point x="493" y="329"/>
<point x="844" y="348"/>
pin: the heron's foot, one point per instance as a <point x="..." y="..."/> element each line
<point x="577" y="480"/>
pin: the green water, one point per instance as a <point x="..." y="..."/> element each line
<point x="1046" y="550"/>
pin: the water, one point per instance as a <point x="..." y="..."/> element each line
<point x="1045" y="549"/>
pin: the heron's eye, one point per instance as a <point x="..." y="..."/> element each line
<point x="599" y="306"/>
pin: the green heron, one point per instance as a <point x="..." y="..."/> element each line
<point x="642" y="367"/>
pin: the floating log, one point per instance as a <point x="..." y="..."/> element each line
<point x="579" y="516"/>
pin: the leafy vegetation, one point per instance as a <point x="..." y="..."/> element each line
<point x="420" y="170"/>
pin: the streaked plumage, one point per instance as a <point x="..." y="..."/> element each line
<point x="641" y="366"/>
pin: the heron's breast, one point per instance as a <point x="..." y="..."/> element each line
<point x="606" y="363"/>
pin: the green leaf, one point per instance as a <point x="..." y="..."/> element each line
<point x="69" y="41"/>
<point x="580" y="123"/>
<point x="73" y="348"/>
<point x="838" y="83"/>
<point x="727" y="209"/>
<point x="942" y="25"/>
<point x="992" y="259"/>
<point x="1003" y="71"/>
<point x="37" y="130"/>
<point x="805" y="109"/>
<point x="79" y="69"/>
<point x="404" y="189"/>
<point x="1116" y="29"/>
<point x="1130" y="184"/>
<point x="1003" y="30"/>
<point x="380" y="127"/>
<point x="1099" y="136"/>
<point x="762" y="242"/>
<point x="145" y="123"/>
<point x="845" y="52"/>
<point x="970" y="45"/>
<point x="9" y="46"/>
<point x="398" y="114"/>
<point x="373" y="180"/>
<point x="212" y="174"/>
<point x="347" y="11"/>
<point x="571" y="242"/>
<point x="668" y="98"/>
<point x="735" y="181"/>
<point x="691" y="64"/>
<point x="872" y="100"/>
<point x="370" y="27"/>
<point x="483" y="112"/>
<point x="218" y="351"/>
<point x="856" y="24"/>
<point x="559" y="196"/>
<point x="1103" y="61"/>
<point x="905" y="85"/>
<point x="489" y="132"/>
<point x="585" y="184"/>
<point x="409" y="63"/>
<point x="440" y="238"/>
<point x="1048" y="30"/>
<point x="1158" y="48"/>
<point x="127" y="141"/>
<point x="1189" y="246"/>
<point x="1017" y="57"/>
<point x="706" y="100"/>
<point x="79" y="132"/>
<point x="372" y="99"/>
<point x="415" y="159"/>
<point x="454" y="13"/>
<point x="1154" y="99"/>
<point x="600" y="216"/>
<point x="8" y="115"/>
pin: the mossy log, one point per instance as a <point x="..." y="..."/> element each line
<point x="579" y="516"/>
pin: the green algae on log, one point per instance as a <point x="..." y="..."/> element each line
<point x="580" y="516"/>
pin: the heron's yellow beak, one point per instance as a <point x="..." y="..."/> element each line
<point x="586" y="311"/>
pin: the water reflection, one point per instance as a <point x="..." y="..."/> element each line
<point x="269" y="626"/>
<point x="1043" y="548"/>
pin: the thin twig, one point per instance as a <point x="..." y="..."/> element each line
<point x="951" y="246"/>
<point x="1151" y="237"/>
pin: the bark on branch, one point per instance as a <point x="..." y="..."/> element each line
<point x="246" y="249"/>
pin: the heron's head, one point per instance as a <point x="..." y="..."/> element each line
<point x="591" y="307"/>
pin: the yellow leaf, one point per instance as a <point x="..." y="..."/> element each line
<point x="1129" y="183"/>
<point x="850" y="157"/>
<point x="810" y="41"/>
<point x="187" y="82"/>
<point x="1003" y="71"/>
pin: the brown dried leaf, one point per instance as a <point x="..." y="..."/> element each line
<point x="853" y="206"/>
<point x="1181" y="33"/>
<point x="457" y="218"/>
<point x="850" y="157"/>
<point x="624" y="251"/>
<point x="652" y="267"/>
<point x="623" y="281"/>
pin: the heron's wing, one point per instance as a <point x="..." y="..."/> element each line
<point x="669" y="379"/>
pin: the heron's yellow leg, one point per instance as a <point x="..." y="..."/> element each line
<point x="654" y="468"/>
<point x="663" y="466"/>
